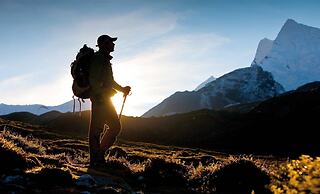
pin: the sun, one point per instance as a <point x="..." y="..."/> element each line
<point x="117" y="101"/>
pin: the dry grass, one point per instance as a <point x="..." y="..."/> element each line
<point x="146" y="167"/>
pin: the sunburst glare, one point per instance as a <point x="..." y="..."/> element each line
<point x="117" y="101"/>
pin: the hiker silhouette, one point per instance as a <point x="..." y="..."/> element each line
<point x="104" y="122"/>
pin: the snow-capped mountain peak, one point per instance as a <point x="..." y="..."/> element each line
<point x="294" y="57"/>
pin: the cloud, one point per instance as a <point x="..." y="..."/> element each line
<point x="6" y="83"/>
<point x="132" y="28"/>
<point x="48" y="81"/>
<point x="169" y="65"/>
<point x="23" y="90"/>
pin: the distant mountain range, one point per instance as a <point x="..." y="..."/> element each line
<point x="291" y="60"/>
<point x="39" y="109"/>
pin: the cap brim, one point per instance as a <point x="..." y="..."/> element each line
<point x="114" y="39"/>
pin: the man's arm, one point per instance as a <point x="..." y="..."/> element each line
<point x="116" y="86"/>
<point x="124" y="90"/>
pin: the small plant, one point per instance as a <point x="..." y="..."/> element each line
<point x="298" y="176"/>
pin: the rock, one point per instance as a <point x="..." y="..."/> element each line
<point x="16" y="179"/>
<point x="140" y="178"/>
<point x="110" y="190"/>
<point x="51" y="176"/>
<point x="86" y="180"/>
<point x="85" y="192"/>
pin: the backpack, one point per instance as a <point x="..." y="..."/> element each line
<point x="80" y="72"/>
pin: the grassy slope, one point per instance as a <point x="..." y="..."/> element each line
<point x="136" y="166"/>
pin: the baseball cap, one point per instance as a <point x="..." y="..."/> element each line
<point x="104" y="38"/>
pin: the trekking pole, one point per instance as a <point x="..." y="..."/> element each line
<point x="124" y="100"/>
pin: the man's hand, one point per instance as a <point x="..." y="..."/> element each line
<point x="126" y="90"/>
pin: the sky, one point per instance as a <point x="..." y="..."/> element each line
<point x="163" y="46"/>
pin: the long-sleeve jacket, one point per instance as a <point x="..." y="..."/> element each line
<point x="101" y="75"/>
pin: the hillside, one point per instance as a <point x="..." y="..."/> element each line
<point x="271" y="127"/>
<point x="36" y="161"/>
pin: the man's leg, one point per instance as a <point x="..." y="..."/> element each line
<point x="110" y="136"/>
<point x="96" y="127"/>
